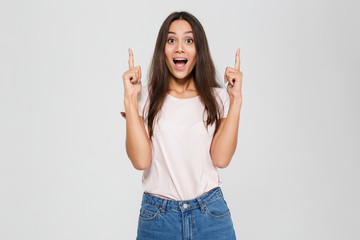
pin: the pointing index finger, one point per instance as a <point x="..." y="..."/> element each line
<point x="131" y="59"/>
<point x="237" y="59"/>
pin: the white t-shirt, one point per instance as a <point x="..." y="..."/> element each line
<point x="181" y="166"/>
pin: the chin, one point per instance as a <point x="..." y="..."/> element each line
<point x="182" y="76"/>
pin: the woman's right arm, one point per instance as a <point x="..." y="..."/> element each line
<point x="138" y="147"/>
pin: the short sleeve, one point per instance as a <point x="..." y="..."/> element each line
<point x="141" y="98"/>
<point x="224" y="98"/>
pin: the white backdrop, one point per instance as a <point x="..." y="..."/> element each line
<point x="64" y="172"/>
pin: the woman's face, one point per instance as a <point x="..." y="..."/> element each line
<point x="180" y="49"/>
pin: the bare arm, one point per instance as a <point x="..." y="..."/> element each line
<point x="224" y="142"/>
<point x="138" y="147"/>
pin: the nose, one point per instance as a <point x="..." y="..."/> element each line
<point x="179" y="47"/>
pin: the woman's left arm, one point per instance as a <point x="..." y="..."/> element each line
<point x="224" y="142"/>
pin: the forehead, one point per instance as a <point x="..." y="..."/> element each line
<point x="180" y="27"/>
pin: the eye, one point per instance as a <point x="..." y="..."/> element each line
<point x="171" y="40"/>
<point x="189" y="40"/>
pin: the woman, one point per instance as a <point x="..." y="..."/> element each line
<point x="180" y="128"/>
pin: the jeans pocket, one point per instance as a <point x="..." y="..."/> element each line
<point x="217" y="208"/>
<point x="148" y="212"/>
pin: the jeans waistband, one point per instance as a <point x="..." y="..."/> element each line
<point x="198" y="202"/>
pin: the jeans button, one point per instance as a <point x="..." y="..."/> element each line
<point x="185" y="206"/>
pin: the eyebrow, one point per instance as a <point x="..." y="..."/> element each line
<point x="184" y="32"/>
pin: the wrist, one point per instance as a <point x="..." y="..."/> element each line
<point x="236" y="100"/>
<point x="130" y="100"/>
<point x="130" y="97"/>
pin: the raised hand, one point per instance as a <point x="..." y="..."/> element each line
<point x="234" y="78"/>
<point x="132" y="78"/>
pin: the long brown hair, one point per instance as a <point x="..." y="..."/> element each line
<point x="204" y="72"/>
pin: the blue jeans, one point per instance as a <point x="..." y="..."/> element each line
<point x="205" y="217"/>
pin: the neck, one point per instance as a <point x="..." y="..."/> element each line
<point x="182" y="85"/>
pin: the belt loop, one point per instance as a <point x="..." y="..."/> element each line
<point x="162" y="209"/>
<point x="202" y="206"/>
<point x="221" y="192"/>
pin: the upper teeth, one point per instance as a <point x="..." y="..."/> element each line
<point x="180" y="59"/>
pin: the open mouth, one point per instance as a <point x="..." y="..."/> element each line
<point x="180" y="62"/>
